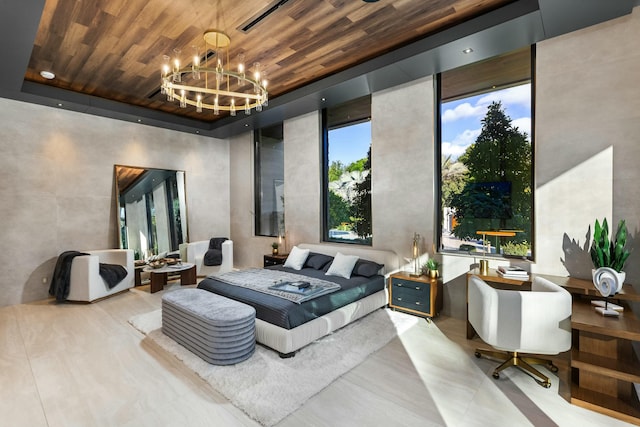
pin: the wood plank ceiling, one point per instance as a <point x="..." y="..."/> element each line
<point x="114" y="49"/>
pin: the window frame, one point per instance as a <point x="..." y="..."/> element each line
<point x="257" y="183"/>
<point x="438" y="154"/>
<point x="325" y="231"/>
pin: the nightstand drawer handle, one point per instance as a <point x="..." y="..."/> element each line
<point x="399" y="299"/>
<point x="417" y="302"/>
<point x="399" y="285"/>
<point x="418" y="288"/>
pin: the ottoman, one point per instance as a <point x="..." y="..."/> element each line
<point x="219" y="330"/>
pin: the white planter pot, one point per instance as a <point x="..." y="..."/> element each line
<point x="607" y="281"/>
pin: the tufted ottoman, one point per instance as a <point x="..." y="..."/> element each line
<point x="219" y="330"/>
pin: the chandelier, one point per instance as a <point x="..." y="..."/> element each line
<point x="214" y="87"/>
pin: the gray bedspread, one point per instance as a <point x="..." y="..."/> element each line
<point x="262" y="280"/>
<point x="287" y="314"/>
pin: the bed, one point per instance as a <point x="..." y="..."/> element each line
<point x="286" y="326"/>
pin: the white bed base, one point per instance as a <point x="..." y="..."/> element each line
<point x="287" y="341"/>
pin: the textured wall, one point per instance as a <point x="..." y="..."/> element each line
<point x="588" y="142"/>
<point x="248" y="249"/>
<point x="402" y="157"/>
<point x="303" y="178"/>
<point x="302" y="157"/>
<point x="57" y="186"/>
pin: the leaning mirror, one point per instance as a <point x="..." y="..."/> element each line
<point x="152" y="211"/>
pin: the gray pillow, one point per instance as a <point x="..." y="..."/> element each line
<point x="366" y="268"/>
<point x="317" y="261"/>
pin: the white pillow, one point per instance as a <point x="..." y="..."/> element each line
<point x="296" y="258"/>
<point x="342" y="265"/>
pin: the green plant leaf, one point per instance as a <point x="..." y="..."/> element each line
<point x="606" y="251"/>
<point x="621" y="234"/>
<point x="604" y="245"/>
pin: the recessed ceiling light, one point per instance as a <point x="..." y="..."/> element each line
<point x="47" y="75"/>
<point x="324" y="99"/>
<point x="467" y="50"/>
<point x="246" y="125"/>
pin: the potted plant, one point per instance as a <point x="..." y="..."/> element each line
<point x="431" y="268"/>
<point x="274" y="248"/>
<point x="609" y="257"/>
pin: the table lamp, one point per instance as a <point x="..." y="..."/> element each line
<point x="415" y="254"/>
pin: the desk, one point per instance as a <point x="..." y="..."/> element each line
<point x="603" y="362"/>
<point x="603" y="365"/>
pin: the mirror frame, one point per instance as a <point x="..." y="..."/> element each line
<point x="143" y="178"/>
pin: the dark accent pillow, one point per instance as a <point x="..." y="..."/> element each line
<point x="327" y="266"/>
<point x="366" y="268"/>
<point x="212" y="257"/>
<point x="112" y="273"/>
<point x="216" y="243"/>
<point x="317" y="261"/>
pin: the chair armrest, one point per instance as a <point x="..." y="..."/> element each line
<point x="122" y="257"/>
<point x="227" y="249"/>
<point x="196" y="249"/>
<point x="227" y="256"/>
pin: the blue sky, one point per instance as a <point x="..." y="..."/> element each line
<point x="461" y="124"/>
<point x="461" y="119"/>
<point x="349" y="143"/>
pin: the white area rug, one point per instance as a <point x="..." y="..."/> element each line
<point x="268" y="388"/>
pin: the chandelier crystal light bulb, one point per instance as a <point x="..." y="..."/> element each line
<point x="215" y="87"/>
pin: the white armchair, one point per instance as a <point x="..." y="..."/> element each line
<point x="85" y="282"/>
<point x="536" y="321"/>
<point x="193" y="252"/>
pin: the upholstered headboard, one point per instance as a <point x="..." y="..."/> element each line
<point x="390" y="259"/>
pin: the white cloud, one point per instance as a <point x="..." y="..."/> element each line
<point x="457" y="147"/>
<point x="462" y="111"/>
<point x="523" y="125"/>
<point x="455" y="151"/>
<point x="510" y="96"/>
<point x="517" y="95"/>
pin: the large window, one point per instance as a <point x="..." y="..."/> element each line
<point x="269" y="181"/>
<point x="486" y="152"/>
<point x="347" y="177"/>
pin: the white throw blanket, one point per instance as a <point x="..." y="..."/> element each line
<point x="261" y="280"/>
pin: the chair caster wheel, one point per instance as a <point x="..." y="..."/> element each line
<point x="496" y="375"/>
<point x="477" y="354"/>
